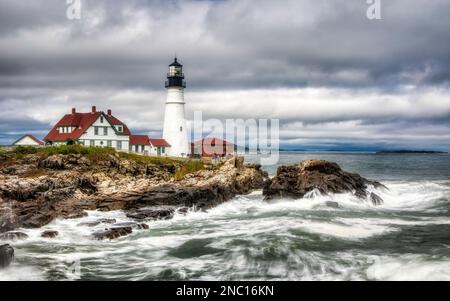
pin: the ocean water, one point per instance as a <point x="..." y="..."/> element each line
<point x="406" y="238"/>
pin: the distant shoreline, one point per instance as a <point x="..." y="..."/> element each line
<point x="384" y="152"/>
<point x="412" y="152"/>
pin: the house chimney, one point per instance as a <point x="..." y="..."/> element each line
<point x="109" y="112"/>
<point x="94" y="109"/>
<point x="74" y="110"/>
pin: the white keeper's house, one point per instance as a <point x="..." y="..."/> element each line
<point x="100" y="129"/>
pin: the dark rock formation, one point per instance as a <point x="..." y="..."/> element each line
<point x="376" y="199"/>
<point x="113" y="233"/>
<point x="137" y="226"/>
<point x="98" y="222"/>
<point x="332" y="204"/>
<point x="6" y="255"/>
<point x="296" y="181"/>
<point x="182" y="210"/>
<point x="53" y="162"/>
<point x="49" y="234"/>
<point x="152" y="213"/>
<point x="13" y="236"/>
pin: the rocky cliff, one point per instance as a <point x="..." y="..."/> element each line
<point x="35" y="189"/>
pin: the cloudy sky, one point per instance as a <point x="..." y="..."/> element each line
<point x="334" y="78"/>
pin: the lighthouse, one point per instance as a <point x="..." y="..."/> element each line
<point x="175" y="128"/>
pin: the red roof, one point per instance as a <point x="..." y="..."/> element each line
<point x="114" y="121"/>
<point x="145" y="140"/>
<point x="212" y="141"/>
<point x="31" y="137"/>
<point x="81" y="121"/>
<point x="139" y="140"/>
<point x="159" y="142"/>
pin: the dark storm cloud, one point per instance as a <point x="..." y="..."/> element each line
<point x="320" y="62"/>
<point x="243" y="44"/>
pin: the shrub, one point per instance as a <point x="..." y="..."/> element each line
<point x="25" y="150"/>
<point x="93" y="153"/>
<point x="150" y="160"/>
<point x="190" y="166"/>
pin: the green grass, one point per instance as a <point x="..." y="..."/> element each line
<point x="93" y="153"/>
<point x="76" y="150"/>
<point x="190" y="166"/>
<point x="150" y="160"/>
<point x="24" y="150"/>
<point x="98" y="154"/>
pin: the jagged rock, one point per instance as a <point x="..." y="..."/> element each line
<point x="182" y="210"/>
<point x="250" y="178"/>
<point x="13" y="236"/>
<point x="332" y="204"/>
<point x="296" y="181"/>
<point x="6" y="255"/>
<point x="76" y="214"/>
<point x="98" y="222"/>
<point x="50" y="234"/>
<point x="138" y="226"/>
<point x="88" y="182"/>
<point x="52" y="162"/>
<point x="151" y="213"/>
<point x="112" y="233"/>
<point x="376" y="199"/>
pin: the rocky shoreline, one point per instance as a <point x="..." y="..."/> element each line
<point x="67" y="185"/>
<point x="36" y="189"/>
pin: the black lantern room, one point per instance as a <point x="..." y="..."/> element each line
<point x="175" y="77"/>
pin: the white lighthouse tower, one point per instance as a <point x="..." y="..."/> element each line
<point x="175" y="128"/>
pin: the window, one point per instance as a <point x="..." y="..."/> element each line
<point x="96" y="130"/>
<point x="92" y="142"/>
<point x="136" y="148"/>
<point x="105" y="131"/>
<point x="109" y="143"/>
<point x="119" y="128"/>
<point x="181" y="128"/>
<point x="163" y="150"/>
<point x="101" y="119"/>
<point x="119" y="144"/>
